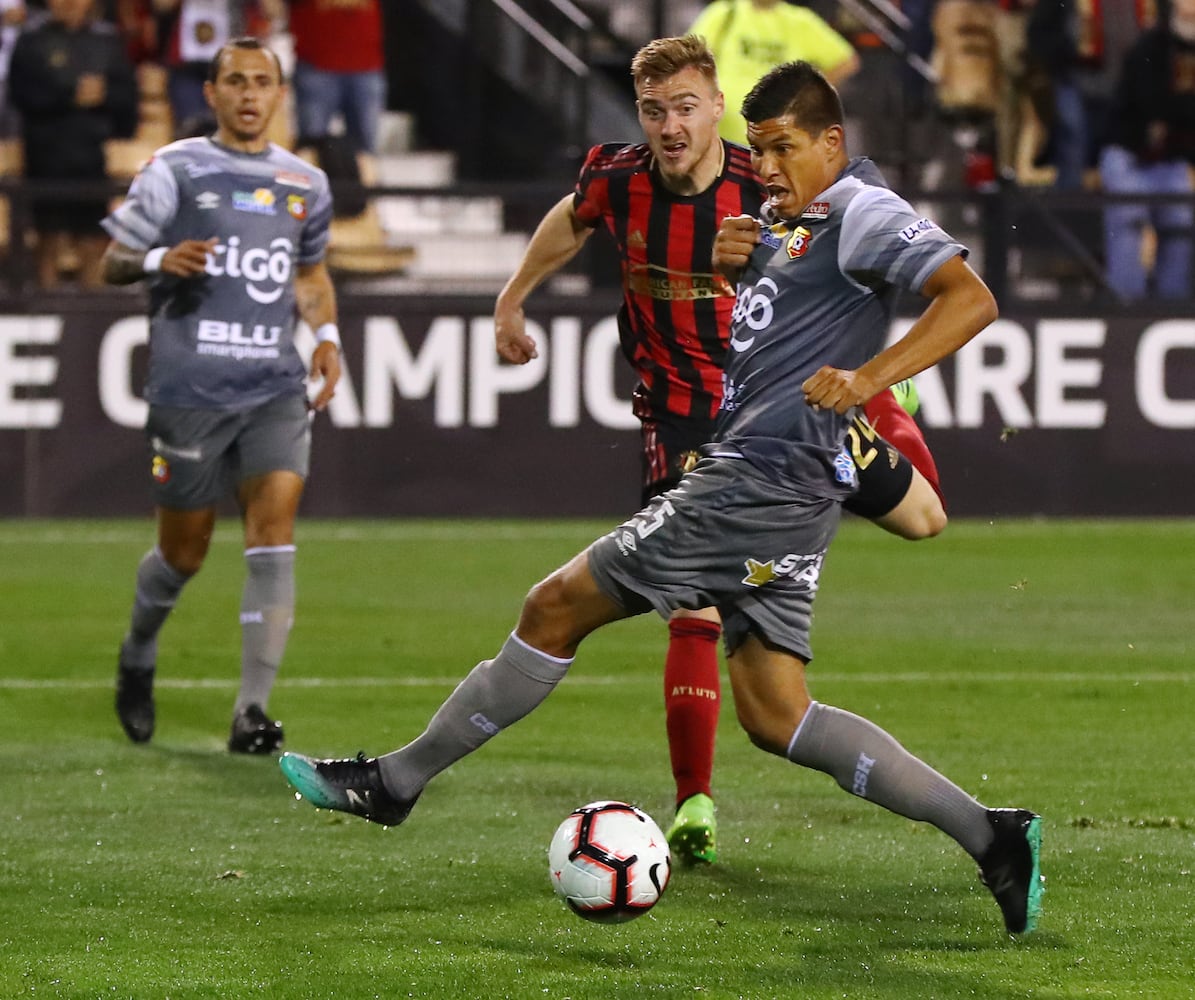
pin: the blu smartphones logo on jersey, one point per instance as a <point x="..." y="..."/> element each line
<point x="266" y="270"/>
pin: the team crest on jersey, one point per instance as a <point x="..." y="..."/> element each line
<point x="207" y="200"/>
<point x="260" y="202"/>
<point x="160" y="469"/>
<point x="799" y="242"/>
<point x="296" y="205"/>
<point x="817" y="210"/>
<point x="294" y="180"/>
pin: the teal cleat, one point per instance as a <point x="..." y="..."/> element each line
<point x="693" y="836"/>
<point x="1011" y="867"/>
<point x="353" y="785"/>
<point x="906" y="394"/>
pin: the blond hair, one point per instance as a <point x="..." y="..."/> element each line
<point x="665" y="57"/>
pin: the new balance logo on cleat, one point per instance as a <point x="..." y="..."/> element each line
<point x="352" y="785"/>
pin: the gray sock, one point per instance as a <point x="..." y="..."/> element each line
<point x="158" y="587"/>
<point x="868" y="762"/>
<point x="267" y="611"/>
<point x="495" y="694"/>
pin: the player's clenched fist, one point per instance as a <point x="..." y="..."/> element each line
<point x="737" y="237"/>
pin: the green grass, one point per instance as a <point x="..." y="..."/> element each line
<point x="1045" y="664"/>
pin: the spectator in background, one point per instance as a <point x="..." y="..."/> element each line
<point x="191" y="32"/>
<point x="75" y="89"/>
<point x="1075" y="50"/>
<point x="749" y="37"/>
<point x="339" y="69"/>
<point x="1151" y="150"/>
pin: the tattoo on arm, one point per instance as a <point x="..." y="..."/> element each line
<point x="315" y="296"/>
<point x="123" y="265"/>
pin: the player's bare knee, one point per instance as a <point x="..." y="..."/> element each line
<point x="546" y="621"/>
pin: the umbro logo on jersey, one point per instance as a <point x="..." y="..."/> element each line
<point x="207" y="200"/>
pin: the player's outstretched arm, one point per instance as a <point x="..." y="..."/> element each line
<point x="123" y="265"/>
<point x="733" y="245"/>
<point x="960" y="306"/>
<point x="556" y="240"/>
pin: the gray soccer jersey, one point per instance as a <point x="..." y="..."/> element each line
<point x="818" y="290"/>
<point x="225" y="340"/>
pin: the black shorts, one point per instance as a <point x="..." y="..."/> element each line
<point x="671" y="447"/>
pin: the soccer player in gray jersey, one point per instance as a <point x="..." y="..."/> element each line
<point x="746" y="531"/>
<point x="229" y="231"/>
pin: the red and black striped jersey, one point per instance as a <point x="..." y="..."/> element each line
<point x="675" y="315"/>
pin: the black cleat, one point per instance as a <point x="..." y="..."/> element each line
<point x="254" y="732"/>
<point x="135" y="702"/>
<point x="1010" y="868"/>
<point x="352" y="785"/>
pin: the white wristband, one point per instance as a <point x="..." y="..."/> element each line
<point x="153" y="259"/>
<point x="328" y="333"/>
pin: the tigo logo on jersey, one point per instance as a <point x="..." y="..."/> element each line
<point x="260" y="201"/>
<point x="799" y="242"/>
<point x="160" y="469"/>
<point x="296" y="205"/>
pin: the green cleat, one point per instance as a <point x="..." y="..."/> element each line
<point x="693" y="836"/>
<point x="906" y="394"/>
<point x="1011" y="868"/>
<point x="352" y="785"/>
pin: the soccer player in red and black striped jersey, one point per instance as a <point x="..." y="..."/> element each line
<point x="662" y="201"/>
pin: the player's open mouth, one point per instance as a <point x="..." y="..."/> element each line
<point x="672" y="152"/>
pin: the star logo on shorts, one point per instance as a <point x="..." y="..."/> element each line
<point x="759" y="573"/>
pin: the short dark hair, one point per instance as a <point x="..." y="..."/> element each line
<point x="244" y="42"/>
<point x="796" y="89"/>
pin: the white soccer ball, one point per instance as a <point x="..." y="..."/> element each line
<point x="609" y="862"/>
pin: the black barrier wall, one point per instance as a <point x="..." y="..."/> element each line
<point x="1076" y="415"/>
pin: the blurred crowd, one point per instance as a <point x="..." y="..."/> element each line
<point x="1094" y="96"/>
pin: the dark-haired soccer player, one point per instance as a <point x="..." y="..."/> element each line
<point x="661" y="202"/>
<point x="229" y="231"/>
<point x="747" y="530"/>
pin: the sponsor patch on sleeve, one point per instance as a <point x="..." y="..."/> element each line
<point x="910" y="233"/>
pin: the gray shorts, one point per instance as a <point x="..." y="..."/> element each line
<point x="725" y="537"/>
<point x="200" y="455"/>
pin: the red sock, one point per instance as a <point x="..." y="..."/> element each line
<point x="901" y="431"/>
<point x="692" y="697"/>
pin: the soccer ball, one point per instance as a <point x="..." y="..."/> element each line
<point x="609" y="862"/>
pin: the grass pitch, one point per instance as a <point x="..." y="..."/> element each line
<point x="1039" y="664"/>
